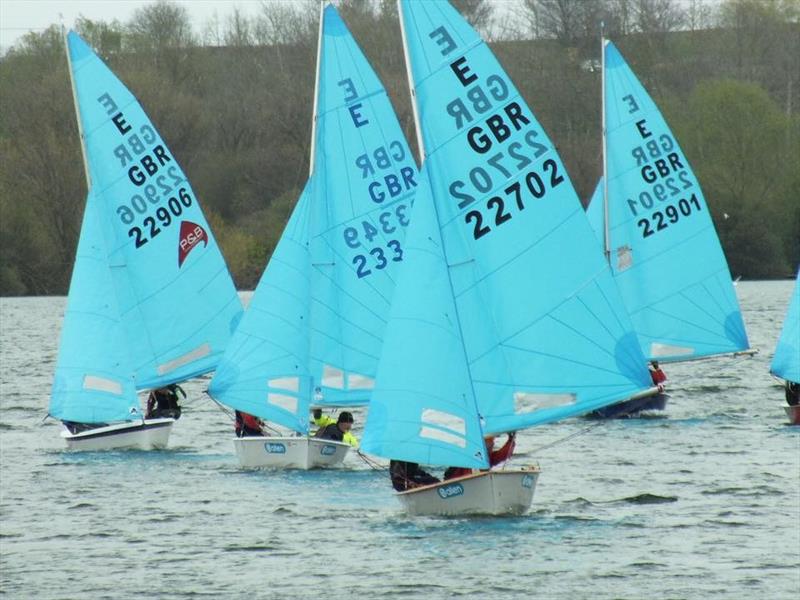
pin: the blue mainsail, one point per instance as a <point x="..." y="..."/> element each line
<point x="664" y="251"/>
<point x="786" y="362"/>
<point x="319" y="332"/>
<point x="156" y="271"/>
<point x="543" y="333"/>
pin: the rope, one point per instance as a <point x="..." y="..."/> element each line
<point x="375" y="466"/>
<point x="569" y="437"/>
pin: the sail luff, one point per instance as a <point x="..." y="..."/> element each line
<point x="606" y="240"/>
<point x="77" y="113"/>
<point x="411" y="86"/>
<point x="313" y="150"/>
<point x="424" y="173"/>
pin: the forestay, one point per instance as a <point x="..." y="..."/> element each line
<point x="594" y="212"/>
<point x="664" y="251"/>
<point x="314" y="328"/>
<point x="786" y="362"/>
<point x="148" y="266"/>
<point x="543" y="332"/>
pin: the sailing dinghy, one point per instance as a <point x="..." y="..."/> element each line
<point x="657" y="233"/>
<point x="151" y="302"/>
<point x="786" y="362"/>
<point x="505" y="314"/>
<point x="312" y="334"/>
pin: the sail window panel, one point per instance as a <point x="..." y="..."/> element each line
<point x="624" y="258"/>
<point x="442" y="436"/>
<point x="657" y="350"/>
<point x="332" y="377"/>
<point x="528" y="402"/>
<point x="291" y="384"/>
<point x="288" y="403"/>
<point x="102" y="384"/>
<point x="196" y="354"/>
<point x="444" y="419"/>
<point x="356" y="381"/>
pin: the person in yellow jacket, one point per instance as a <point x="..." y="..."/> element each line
<point x="323" y="421"/>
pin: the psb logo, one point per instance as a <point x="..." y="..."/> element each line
<point x="273" y="448"/>
<point x="327" y="450"/>
<point x="191" y="235"/>
<point x="527" y="481"/>
<point x="449" y="491"/>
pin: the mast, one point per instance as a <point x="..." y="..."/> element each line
<point x="316" y="91"/>
<point x="412" y="89"/>
<point x="436" y="211"/>
<point x="77" y="111"/>
<point x="606" y="240"/>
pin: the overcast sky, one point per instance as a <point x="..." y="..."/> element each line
<point x="17" y="17"/>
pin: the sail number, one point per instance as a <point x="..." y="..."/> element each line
<point x="661" y="192"/>
<point x="376" y="258"/>
<point x="498" y="165"/>
<point x="152" y="194"/>
<point x="535" y="186"/>
<point x="164" y="215"/>
<point x="671" y="215"/>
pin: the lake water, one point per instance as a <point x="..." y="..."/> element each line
<point x="703" y="502"/>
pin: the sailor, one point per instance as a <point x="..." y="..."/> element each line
<point x="408" y="475"/>
<point x="792" y="393"/>
<point x="163" y="402"/>
<point x="338" y="431"/>
<point x="321" y="420"/>
<point x="502" y="454"/>
<point x="657" y="375"/>
<point x="247" y="425"/>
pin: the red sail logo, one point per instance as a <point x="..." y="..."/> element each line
<point x="191" y="235"/>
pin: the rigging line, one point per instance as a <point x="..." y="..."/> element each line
<point x="374" y="465"/>
<point x="221" y="406"/>
<point x="570" y="436"/>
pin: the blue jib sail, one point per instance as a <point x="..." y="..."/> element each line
<point x="314" y="335"/>
<point x="786" y="362"/>
<point x="664" y="251"/>
<point x="165" y="286"/>
<point x="544" y="334"/>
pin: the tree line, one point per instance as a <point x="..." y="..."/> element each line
<point x="234" y="101"/>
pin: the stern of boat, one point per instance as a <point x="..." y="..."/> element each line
<point x="288" y="452"/>
<point x="151" y="434"/>
<point x="507" y="492"/>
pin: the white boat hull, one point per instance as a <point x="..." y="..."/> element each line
<point x="289" y="452"/>
<point x="148" y="435"/>
<point x="485" y="493"/>
<point x="793" y="412"/>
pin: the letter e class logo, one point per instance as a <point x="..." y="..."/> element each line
<point x="191" y="235"/>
